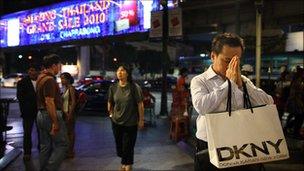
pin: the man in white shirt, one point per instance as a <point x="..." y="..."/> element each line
<point x="209" y="90"/>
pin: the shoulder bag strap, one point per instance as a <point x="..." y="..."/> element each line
<point x="69" y="100"/>
<point x="41" y="81"/>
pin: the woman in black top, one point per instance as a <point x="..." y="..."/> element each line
<point x="125" y="107"/>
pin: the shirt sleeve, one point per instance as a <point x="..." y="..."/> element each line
<point x="20" y="91"/>
<point x="50" y="88"/>
<point x="257" y="95"/>
<point x="110" y="94"/>
<point x="237" y="96"/>
<point x="205" y="101"/>
<point x="138" y="94"/>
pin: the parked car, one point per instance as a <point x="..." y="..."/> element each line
<point x="12" y="79"/>
<point x="97" y="95"/>
<point x="90" y="79"/>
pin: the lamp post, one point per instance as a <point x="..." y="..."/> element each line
<point x="259" y="8"/>
<point x="163" y="108"/>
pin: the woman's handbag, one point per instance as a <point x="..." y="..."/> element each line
<point x="245" y="136"/>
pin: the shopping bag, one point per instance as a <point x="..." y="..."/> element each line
<point x="245" y="136"/>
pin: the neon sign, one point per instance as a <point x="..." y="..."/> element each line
<point x="75" y="20"/>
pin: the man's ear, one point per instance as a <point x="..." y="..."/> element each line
<point x="53" y="65"/>
<point x="213" y="55"/>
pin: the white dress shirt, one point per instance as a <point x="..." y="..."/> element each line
<point x="209" y="93"/>
<point x="34" y="84"/>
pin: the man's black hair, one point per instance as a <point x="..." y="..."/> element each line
<point x="49" y="60"/>
<point x="230" y="39"/>
<point x="35" y="66"/>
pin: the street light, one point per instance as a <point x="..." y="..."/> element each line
<point x="259" y="9"/>
<point x="163" y="107"/>
<point x="203" y="55"/>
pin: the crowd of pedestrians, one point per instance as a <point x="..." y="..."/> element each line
<point x="42" y="102"/>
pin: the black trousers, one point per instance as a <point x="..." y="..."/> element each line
<point x="28" y="124"/>
<point x="202" y="161"/>
<point x="125" y="138"/>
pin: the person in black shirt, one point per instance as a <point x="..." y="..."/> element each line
<point x="126" y="108"/>
<point x="26" y="94"/>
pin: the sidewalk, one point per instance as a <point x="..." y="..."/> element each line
<point x="95" y="148"/>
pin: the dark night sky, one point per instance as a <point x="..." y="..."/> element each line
<point x="10" y="6"/>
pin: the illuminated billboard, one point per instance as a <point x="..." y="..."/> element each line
<point x="75" y="20"/>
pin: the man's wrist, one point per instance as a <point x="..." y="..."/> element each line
<point x="55" y="123"/>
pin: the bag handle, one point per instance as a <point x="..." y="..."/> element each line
<point x="228" y="107"/>
<point x="247" y="102"/>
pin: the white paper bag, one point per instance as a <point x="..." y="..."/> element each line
<point x="245" y="138"/>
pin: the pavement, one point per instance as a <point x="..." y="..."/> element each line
<point x="95" y="148"/>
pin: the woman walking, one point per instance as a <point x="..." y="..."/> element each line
<point x="125" y="107"/>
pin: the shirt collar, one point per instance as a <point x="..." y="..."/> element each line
<point x="210" y="73"/>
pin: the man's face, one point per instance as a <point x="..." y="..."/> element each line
<point x="222" y="60"/>
<point x="56" y="68"/>
<point x="33" y="73"/>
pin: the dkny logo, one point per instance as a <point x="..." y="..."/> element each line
<point x="234" y="151"/>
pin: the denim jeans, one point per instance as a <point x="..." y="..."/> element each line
<point x="53" y="149"/>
